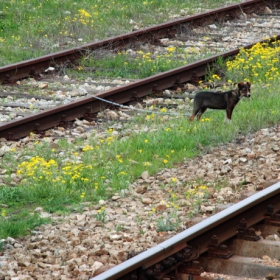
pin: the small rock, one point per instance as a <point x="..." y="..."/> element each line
<point x="227" y="161"/>
<point x="82" y="90"/>
<point x="38" y="210"/>
<point x="66" y="78"/>
<point x="17" y="245"/>
<point x="243" y="16"/>
<point x="267" y="11"/>
<point x="4" y="149"/>
<point x="212" y="26"/>
<point x="124" y="116"/>
<point x="146" y="200"/>
<point x="273" y="237"/>
<point x="112" y="115"/>
<point x="275" y="148"/>
<point x="115" y="237"/>
<point x="102" y="202"/>
<point x="45" y="215"/>
<point x="243" y="159"/>
<point x="145" y="175"/>
<point x="207" y="208"/>
<point x="269" y="183"/>
<point x="161" y="207"/>
<point x="43" y="85"/>
<point x="10" y="240"/>
<point x="50" y="69"/>
<point x="225" y="169"/>
<point x="141" y="189"/>
<point x="80" y="217"/>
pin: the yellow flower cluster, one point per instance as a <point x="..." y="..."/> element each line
<point x="216" y="77"/>
<point x="40" y="170"/>
<point x="150" y="117"/>
<point x="171" y="203"/>
<point x="84" y="13"/>
<point x="3" y="213"/>
<point x="205" y="120"/>
<point x="102" y="209"/>
<point x="82" y="16"/>
<point x="198" y="192"/>
<point x="145" y="56"/>
<point x="171" y="49"/>
<point x="36" y="163"/>
<point x="119" y="158"/>
<point x="257" y="64"/>
<point x="87" y="148"/>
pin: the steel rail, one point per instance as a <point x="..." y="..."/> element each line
<point x="35" y="66"/>
<point x="81" y="108"/>
<point x="223" y="224"/>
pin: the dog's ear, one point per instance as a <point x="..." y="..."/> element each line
<point x="240" y="84"/>
<point x="249" y="84"/>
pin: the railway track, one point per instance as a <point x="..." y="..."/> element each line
<point x="240" y="242"/>
<point x="77" y="246"/>
<point x="184" y="256"/>
<point x="32" y="96"/>
<point x="221" y="35"/>
<point x="33" y="67"/>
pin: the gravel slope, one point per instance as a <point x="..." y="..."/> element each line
<point x="78" y="246"/>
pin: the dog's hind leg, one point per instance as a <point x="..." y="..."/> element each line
<point x="195" y="112"/>
<point x="200" y="112"/>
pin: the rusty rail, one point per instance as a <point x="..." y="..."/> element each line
<point x="224" y="225"/>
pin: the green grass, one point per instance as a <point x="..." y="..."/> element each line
<point x="140" y="64"/>
<point x="20" y="224"/>
<point x="102" y="167"/>
<point x="33" y="28"/>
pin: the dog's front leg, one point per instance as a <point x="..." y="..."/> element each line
<point x="228" y="114"/>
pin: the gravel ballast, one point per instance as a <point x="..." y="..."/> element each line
<point x="79" y="246"/>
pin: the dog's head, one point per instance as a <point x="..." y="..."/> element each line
<point x="244" y="89"/>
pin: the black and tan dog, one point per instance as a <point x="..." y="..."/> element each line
<point x="219" y="100"/>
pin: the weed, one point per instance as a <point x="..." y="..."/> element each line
<point x="101" y="215"/>
<point x="139" y="220"/>
<point x="2" y="244"/>
<point x="168" y="223"/>
<point x="119" y="228"/>
<point x="20" y="224"/>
